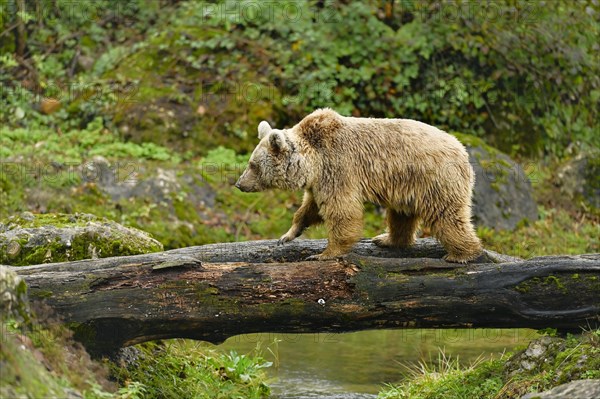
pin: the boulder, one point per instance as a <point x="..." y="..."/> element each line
<point x="175" y="204"/>
<point x="532" y="360"/>
<point x="160" y="187"/>
<point x="503" y="195"/>
<point x="580" y="389"/>
<point x="559" y="360"/>
<point x="29" y="239"/>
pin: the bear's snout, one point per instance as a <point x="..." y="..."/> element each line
<point x="243" y="187"/>
<point x="239" y="186"/>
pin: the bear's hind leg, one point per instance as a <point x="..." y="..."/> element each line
<point x="402" y="229"/>
<point x="457" y="235"/>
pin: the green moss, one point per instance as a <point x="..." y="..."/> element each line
<point x="474" y="141"/>
<point x="41" y="254"/>
<point x="29" y="220"/>
<point x="42" y="360"/>
<point x="526" y="285"/>
<point x="291" y="307"/>
<point x="36" y="382"/>
<point x="593" y="282"/>
<point x="523" y="288"/>
<point x="203" y="292"/>
<point x="495" y="185"/>
<point x="41" y="294"/>
<point x="497" y="164"/>
<point x="553" y="280"/>
<point x="562" y="285"/>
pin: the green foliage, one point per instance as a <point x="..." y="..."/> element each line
<point x="220" y="165"/>
<point x="200" y="372"/>
<point x="503" y="72"/>
<point x="75" y="146"/>
<point x="550" y="332"/>
<point x="41" y="359"/>
<point x="68" y="45"/>
<point x="498" y="70"/>
<point x="161" y="84"/>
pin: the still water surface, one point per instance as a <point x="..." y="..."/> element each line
<point x="357" y="365"/>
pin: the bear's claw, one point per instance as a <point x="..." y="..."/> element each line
<point x="283" y="240"/>
<point x="460" y="259"/>
<point x="322" y="257"/>
<point x="382" y="240"/>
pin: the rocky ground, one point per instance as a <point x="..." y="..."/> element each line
<point x="28" y="239"/>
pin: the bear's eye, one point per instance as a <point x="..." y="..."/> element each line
<point x="254" y="166"/>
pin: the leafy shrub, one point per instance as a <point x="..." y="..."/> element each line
<point x="499" y="70"/>
<point x="74" y="146"/>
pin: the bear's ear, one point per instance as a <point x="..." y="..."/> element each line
<point x="277" y="142"/>
<point x="263" y="129"/>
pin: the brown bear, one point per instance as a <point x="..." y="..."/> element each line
<point x="418" y="172"/>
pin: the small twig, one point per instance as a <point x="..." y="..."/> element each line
<point x="59" y="42"/>
<point x="73" y="63"/>
<point x="7" y="30"/>
<point x="490" y="114"/>
<point x="23" y="62"/>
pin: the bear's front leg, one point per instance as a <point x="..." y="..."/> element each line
<point x="344" y="225"/>
<point x="306" y="216"/>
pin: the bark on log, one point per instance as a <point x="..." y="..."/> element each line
<point x="215" y="291"/>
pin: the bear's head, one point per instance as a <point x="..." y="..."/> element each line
<point x="274" y="163"/>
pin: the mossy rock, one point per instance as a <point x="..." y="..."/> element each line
<point x="503" y="196"/>
<point x="559" y="360"/>
<point x="29" y="239"/>
<point x="574" y="389"/>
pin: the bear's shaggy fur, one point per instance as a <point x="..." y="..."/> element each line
<point x="418" y="172"/>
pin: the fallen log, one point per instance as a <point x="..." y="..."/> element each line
<point x="215" y="291"/>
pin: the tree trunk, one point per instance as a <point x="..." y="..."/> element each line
<point x="20" y="33"/>
<point x="212" y="292"/>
